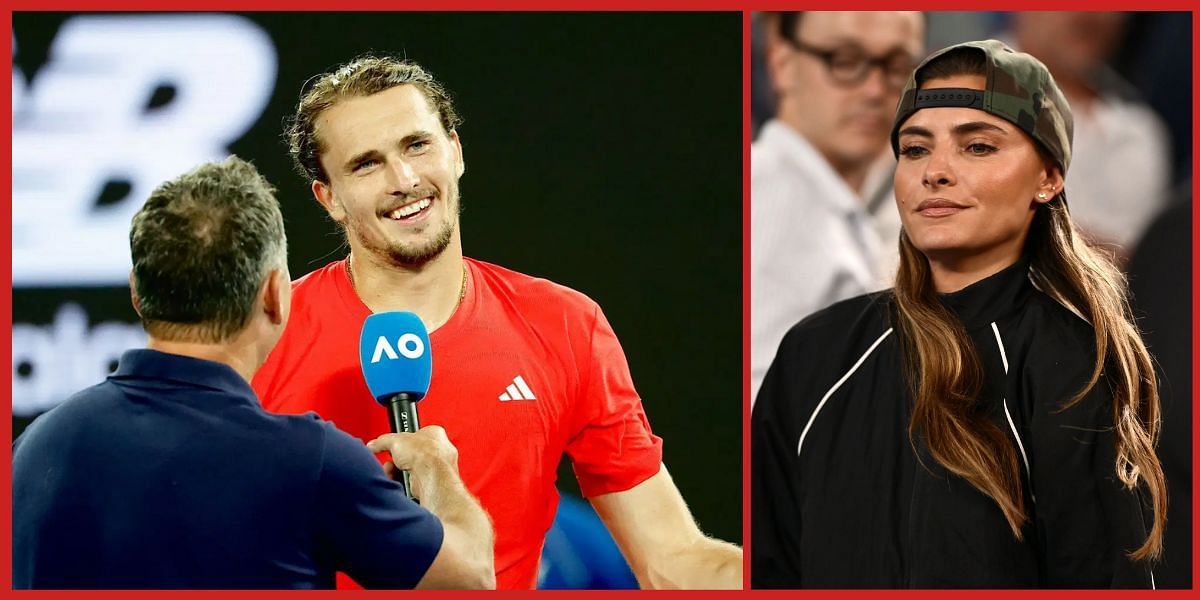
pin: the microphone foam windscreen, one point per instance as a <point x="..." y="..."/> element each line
<point x="393" y="350"/>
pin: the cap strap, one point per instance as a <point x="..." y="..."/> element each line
<point x="952" y="97"/>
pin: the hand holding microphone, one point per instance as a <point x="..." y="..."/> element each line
<point x="396" y="363"/>
<point x="427" y="457"/>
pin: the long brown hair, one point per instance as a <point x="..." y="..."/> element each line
<point x="945" y="376"/>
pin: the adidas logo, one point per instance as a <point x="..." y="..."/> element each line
<point x="517" y="390"/>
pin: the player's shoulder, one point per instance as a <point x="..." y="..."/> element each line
<point x="319" y="280"/>
<point x="323" y="299"/>
<point x="528" y="290"/>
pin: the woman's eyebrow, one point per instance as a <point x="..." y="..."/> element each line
<point x="976" y="127"/>
<point x="915" y="130"/>
<point x="958" y="130"/>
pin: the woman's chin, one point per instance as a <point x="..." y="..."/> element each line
<point x="935" y="246"/>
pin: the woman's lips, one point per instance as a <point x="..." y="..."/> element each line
<point x="939" y="207"/>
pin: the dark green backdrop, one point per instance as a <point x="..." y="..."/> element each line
<point x="603" y="152"/>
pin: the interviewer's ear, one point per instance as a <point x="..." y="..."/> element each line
<point x="277" y="296"/>
<point x="133" y="297"/>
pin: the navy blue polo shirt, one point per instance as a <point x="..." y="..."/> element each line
<point x="171" y="475"/>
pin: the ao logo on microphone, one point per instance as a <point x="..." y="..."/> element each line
<point x="409" y="345"/>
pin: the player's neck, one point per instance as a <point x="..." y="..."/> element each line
<point x="433" y="290"/>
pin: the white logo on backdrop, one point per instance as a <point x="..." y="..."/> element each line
<point x="52" y="362"/>
<point x="85" y="121"/>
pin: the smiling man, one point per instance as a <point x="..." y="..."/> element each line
<point x="524" y="370"/>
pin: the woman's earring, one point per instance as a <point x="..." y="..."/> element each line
<point x="1042" y="195"/>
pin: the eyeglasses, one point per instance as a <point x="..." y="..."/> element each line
<point x="850" y="65"/>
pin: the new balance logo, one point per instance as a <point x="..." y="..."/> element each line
<point x="90" y="101"/>
<point x="517" y="390"/>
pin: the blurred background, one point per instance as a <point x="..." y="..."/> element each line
<point x="1128" y="78"/>
<point x="1145" y="55"/>
<point x="604" y="152"/>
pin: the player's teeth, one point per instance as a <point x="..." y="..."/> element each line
<point x="415" y="207"/>
<point x="410" y="209"/>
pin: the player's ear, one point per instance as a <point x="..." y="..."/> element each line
<point x="458" y="155"/>
<point x="325" y="197"/>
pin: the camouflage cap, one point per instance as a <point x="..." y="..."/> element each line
<point x="1019" y="89"/>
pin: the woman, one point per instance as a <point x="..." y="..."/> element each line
<point x="991" y="421"/>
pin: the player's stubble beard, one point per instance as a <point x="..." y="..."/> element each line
<point x="410" y="256"/>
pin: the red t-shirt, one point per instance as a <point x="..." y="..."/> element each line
<point x="523" y="371"/>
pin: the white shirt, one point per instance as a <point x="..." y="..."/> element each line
<point x="812" y="241"/>
<point x="1120" y="163"/>
<point x="1120" y="172"/>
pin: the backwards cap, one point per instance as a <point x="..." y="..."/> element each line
<point x="1019" y="89"/>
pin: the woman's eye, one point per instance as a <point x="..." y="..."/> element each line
<point x="980" y="149"/>
<point x="912" y="151"/>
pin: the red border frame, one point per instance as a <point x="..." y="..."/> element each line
<point x="744" y="6"/>
<point x="6" y="467"/>
<point x="746" y="22"/>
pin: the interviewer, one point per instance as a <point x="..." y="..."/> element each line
<point x="169" y="474"/>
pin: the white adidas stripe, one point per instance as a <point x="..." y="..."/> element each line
<point x="525" y="391"/>
<point x="517" y="390"/>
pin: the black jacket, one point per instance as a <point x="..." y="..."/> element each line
<point x="842" y="498"/>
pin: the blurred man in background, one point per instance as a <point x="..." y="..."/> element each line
<point x="171" y="475"/>
<point x="1120" y="173"/>
<point x="836" y="77"/>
